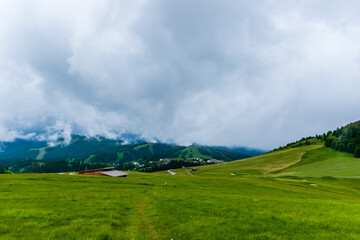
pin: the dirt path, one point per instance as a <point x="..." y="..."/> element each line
<point x="289" y="164"/>
<point x="293" y="163"/>
<point x="142" y="225"/>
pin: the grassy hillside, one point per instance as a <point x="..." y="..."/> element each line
<point x="206" y="152"/>
<point x="307" y="160"/>
<point x="190" y="207"/>
<point x="325" y="162"/>
<point x="259" y="165"/>
<point x="192" y="152"/>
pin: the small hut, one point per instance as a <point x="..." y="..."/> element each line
<point x="108" y="172"/>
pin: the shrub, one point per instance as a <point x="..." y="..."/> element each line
<point x="357" y="151"/>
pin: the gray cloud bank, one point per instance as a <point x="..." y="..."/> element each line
<point x="253" y="73"/>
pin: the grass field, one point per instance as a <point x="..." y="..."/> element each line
<point x="263" y="200"/>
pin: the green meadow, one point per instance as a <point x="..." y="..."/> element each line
<point x="288" y="194"/>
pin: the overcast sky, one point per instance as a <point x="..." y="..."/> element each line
<point x="251" y="73"/>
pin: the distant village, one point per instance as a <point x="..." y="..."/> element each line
<point x="166" y="164"/>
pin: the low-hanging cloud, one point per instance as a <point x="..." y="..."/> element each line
<point x="253" y="73"/>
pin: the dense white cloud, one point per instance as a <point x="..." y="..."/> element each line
<point x="254" y="73"/>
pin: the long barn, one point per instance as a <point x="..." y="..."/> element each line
<point x="107" y="172"/>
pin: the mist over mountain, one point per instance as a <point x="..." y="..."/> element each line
<point x="246" y="73"/>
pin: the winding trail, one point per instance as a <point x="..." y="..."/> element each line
<point x="293" y="163"/>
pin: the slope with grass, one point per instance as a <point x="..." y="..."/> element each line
<point x="260" y="165"/>
<point x="192" y="152"/>
<point x="314" y="160"/>
<point x="325" y="162"/>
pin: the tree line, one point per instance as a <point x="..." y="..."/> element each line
<point x="53" y="166"/>
<point x="3" y="170"/>
<point x="346" y="139"/>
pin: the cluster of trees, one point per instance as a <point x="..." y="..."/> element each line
<point x="3" y="170"/>
<point x="80" y="148"/>
<point x="220" y="153"/>
<point x="142" y="153"/>
<point x="302" y="142"/>
<point x="53" y="166"/>
<point x="154" y="167"/>
<point x="346" y="139"/>
<point x="56" y="166"/>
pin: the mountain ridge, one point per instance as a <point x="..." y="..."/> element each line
<point x="103" y="150"/>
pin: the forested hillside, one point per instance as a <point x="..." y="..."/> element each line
<point x="33" y="156"/>
<point x="345" y="139"/>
